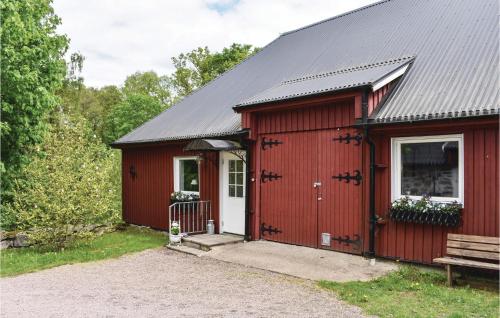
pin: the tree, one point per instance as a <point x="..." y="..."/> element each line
<point x="200" y="66"/>
<point x="32" y="69"/>
<point x="71" y="184"/>
<point x="92" y="103"/>
<point x="148" y="83"/>
<point x="135" y="110"/>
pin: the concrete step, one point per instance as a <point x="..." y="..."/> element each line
<point x="186" y="249"/>
<point x="196" y="245"/>
<point x="205" y="242"/>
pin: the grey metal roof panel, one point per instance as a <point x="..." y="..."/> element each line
<point x="455" y="72"/>
<point x="362" y="75"/>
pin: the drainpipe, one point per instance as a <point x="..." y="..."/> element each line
<point x="247" y="145"/>
<point x="371" y="144"/>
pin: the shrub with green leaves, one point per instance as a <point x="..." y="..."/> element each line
<point x="71" y="185"/>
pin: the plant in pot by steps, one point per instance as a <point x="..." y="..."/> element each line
<point x="175" y="233"/>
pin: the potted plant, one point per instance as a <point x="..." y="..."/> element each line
<point x="425" y="211"/>
<point x="175" y="233"/>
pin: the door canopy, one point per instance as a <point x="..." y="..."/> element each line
<point x="212" y="145"/>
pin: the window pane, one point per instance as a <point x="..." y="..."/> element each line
<point x="232" y="178"/>
<point x="430" y="169"/>
<point x="239" y="165"/>
<point x="232" y="166"/>
<point x="239" y="191"/>
<point x="189" y="175"/>
<point x="239" y="178"/>
<point x="232" y="191"/>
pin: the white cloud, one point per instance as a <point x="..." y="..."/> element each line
<point x="121" y="37"/>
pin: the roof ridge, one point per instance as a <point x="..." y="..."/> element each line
<point x="336" y="17"/>
<point x="347" y="70"/>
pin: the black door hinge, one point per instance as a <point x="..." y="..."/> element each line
<point x="348" y="137"/>
<point x="269" y="229"/>
<point x="356" y="240"/>
<point x="269" y="176"/>
<point x="348" y="177"/>
<point x="269" y="143"/>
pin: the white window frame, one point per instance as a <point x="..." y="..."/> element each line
<point x="235" y="184"/>
<point x="396" y="164"/>
<point x="177" y="180"/>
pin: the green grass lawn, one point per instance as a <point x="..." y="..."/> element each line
<point x="411" y="292"/>
<point x="133" y="239"/>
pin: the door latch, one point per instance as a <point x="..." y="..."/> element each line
<point x="316" y="184"/>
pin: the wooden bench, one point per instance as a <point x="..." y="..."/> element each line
<point x="470" y="251"/>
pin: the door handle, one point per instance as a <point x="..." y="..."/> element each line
<point x="316" y="184"/>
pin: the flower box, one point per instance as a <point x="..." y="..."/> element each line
<point x="180" y="196"/>
<point x="424" y="211"/>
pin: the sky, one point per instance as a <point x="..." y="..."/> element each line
<point x="120" y="37"/>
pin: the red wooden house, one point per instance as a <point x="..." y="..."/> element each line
<point x="310" y="140"/>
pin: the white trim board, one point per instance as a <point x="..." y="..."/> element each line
<point x="396" y="164"/>
<point x="389" y="77"/>
<point x="177" y="176"/>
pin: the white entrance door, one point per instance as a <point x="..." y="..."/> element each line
<point x="232" y="194"/>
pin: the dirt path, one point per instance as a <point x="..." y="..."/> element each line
<point x="162" y="283"/>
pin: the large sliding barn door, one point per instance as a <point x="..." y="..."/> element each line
<point x="289" y="165"/>
<point x="311" y="184"/>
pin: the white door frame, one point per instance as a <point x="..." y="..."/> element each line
<point x="223" y="155"/>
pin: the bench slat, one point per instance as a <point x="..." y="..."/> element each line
<point x="474" y="238"/>
<point x="474" y="246"/>
<point x="469" y="253"/>
<point x="466" y="262"/>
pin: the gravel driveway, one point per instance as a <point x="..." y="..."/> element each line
<point x="163" y="283"/>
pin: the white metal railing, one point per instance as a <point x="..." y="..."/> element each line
<point x="192" y="217"/>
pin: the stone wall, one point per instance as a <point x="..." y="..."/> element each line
<point x="13" y="239"/>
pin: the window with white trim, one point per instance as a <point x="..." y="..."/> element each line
<point x="186" y="175"/>
<point x="430" y="165"/>
<point x="236" y="177"/>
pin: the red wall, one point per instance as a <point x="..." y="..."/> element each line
<point x="321" y="115"/>
<point x="409" y="242"/>
<point x="331" y="115"/>
<point x="422" y="243"/>
<point x="146" y="198"/>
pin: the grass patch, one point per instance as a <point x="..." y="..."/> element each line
<point x="411" y="292"/>
<point x="109" y="245"/>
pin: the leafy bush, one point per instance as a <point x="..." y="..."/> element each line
<point x="71" y="185"/>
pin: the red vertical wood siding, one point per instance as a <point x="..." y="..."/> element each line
<point x="374" y="98"/>
<point x="422" y="243"/>
<point x="308" y="154"/>
<point x="409" y="242"/>
<point x="290" y="203"/>
<point x="333" y="115"/>
<point x="147" y="196"/>
<point x="340" y="210"/>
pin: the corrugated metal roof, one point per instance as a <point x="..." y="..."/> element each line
<point x="455" y="72"/>
<point x="363" y="75"/>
